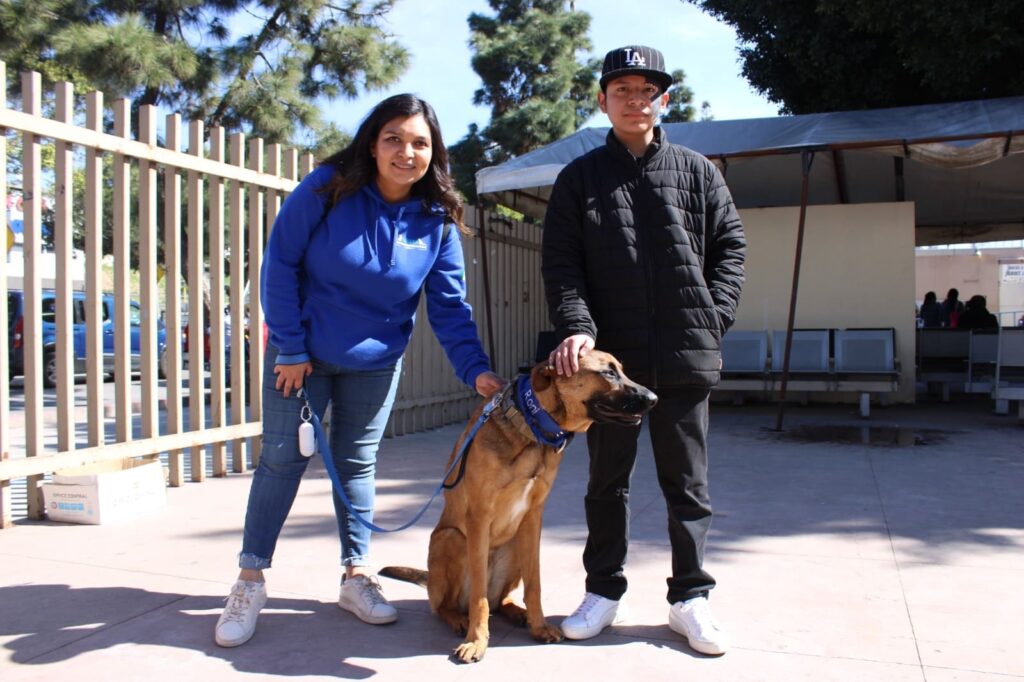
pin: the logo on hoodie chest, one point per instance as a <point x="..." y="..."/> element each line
<point x="406" y="242"/>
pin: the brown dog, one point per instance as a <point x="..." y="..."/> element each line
<point x="488" y="536"/>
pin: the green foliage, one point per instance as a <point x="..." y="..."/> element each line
<point x="680" y="101"/>
<point x="27" y="28"/>
<point x="124" y="55"/>
<point x="537" y="89"/>
<point x="829" y="55"/>
<point x="177" y="53"/>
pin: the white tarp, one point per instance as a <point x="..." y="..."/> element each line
<point x="962" y="164"/>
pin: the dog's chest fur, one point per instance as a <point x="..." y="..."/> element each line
<point x="526" y="487"/>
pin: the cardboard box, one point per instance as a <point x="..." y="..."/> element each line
<point x="105" y="492"/>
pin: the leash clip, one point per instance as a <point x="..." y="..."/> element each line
<point x="307" y="434"/>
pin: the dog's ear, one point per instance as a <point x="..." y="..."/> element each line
<point x="540" y="377"/>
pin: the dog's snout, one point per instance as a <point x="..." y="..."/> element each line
<point x="639" y="398"/>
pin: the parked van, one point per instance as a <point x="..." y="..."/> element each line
<point x="17" y="340"/>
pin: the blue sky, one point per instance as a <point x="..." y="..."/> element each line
<point x="436" y="34"/>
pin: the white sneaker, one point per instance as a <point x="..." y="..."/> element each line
<point x="594" y="614"/>
<point x="361" y="594"/>
<point x="692" y="619"/>
<point x="238" y="622"/>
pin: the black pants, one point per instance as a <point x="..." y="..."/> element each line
<point x="679" y="428"/>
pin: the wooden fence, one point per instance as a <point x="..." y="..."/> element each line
<point x="221" y="200"/>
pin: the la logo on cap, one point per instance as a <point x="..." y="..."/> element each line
<point x="634" y="58"/>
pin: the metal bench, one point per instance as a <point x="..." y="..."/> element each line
<point x="744" y="363"/>
<point x="865" y="363"/>
<point x="942" y="357"/>
<point x="1009" y="378"/>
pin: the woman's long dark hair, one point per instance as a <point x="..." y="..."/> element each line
<point x="356" y="166"/>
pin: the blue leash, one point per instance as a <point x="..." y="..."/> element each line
<point x="325" y="453"/>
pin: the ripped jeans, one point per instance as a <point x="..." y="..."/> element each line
<point x="361" y="403"/>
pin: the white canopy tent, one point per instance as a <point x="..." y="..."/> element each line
<point x="961" y="164"/>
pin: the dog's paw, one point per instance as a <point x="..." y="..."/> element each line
<point x="469" y="652"/>
<point x="547" y="633"/>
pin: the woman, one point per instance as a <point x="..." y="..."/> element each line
<point x="952" y="309"/>
<point x="931" y="311"/>
<point x="350" y="252"/>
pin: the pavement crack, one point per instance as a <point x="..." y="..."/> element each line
<point x="896" y="563"/>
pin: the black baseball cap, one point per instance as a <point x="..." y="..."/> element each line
<point x="636" y="60"/>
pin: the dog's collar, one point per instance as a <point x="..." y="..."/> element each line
<point x="520" y="407"/>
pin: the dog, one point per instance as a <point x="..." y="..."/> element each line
<point x="488" y="537"/>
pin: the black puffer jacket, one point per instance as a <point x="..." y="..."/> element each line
<point x="646" y="256"/>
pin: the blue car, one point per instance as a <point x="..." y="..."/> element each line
<point x="16" y="333"/>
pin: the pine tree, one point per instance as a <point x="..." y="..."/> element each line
<point x="537" y="89"/>
<point x="680" y="100"/>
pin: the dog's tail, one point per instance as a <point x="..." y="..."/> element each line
<point x="415" y="576"/>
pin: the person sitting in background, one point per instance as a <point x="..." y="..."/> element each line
<point x="977" y="316"/>
<point x="952" y="309"/>
<point x="931" y="311"/>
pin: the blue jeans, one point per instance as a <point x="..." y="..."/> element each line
<point x="361" y="403"/>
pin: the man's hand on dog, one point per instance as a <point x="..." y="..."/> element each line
<point x="489" y="383"/>
<point x="566" y="357"/>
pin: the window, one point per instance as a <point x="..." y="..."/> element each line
<point x="50" y="310"/>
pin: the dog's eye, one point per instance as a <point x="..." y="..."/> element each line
<point x="610" y="373"/>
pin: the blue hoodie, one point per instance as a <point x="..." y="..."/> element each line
<point x="345" y="291"/>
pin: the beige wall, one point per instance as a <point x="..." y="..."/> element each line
<point x="858" y="271"/>
<point x="971" y="274"/>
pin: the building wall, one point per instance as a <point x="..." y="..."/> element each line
<point x="858" y="271"/>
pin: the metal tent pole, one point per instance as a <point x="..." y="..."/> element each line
<point x="806" y="159"/>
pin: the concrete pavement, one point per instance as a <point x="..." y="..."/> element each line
<point x="840" y="560"/>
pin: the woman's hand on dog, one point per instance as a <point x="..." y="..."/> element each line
<point x="489" y="383"/>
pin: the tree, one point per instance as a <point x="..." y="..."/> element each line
<point x="178" y="53"/>
<point x="536" y="88"/>
<point x="829" y="55"/>
<point x="680" y="102"/>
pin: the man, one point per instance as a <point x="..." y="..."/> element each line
<point x="976" y="315"/>
<point x="643" y="257"/>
